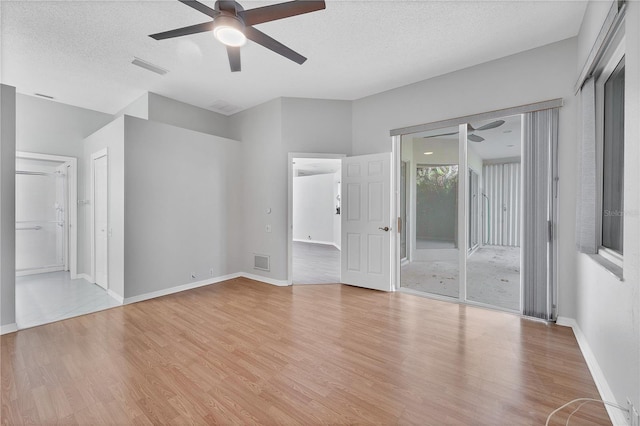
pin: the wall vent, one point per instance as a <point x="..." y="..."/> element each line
<point x="44" y="96"/>
<point x="261" y="262"/>
<point x="149" y="66"/>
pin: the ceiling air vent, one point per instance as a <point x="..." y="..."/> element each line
<point x="149" y="66"/>
<point x="224" y="107"/>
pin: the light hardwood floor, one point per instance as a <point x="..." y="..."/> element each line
<point x="247" y="352"/>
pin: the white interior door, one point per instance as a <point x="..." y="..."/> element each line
<point x="100" y="229"/>
<point x="366" y="224"/>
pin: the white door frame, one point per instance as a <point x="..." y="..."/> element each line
<point x="71" y="208"/>
<point x="291" y="156"/>
<point x="92" y="222"/>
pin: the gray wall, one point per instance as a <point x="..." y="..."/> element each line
<point x="7" y="205"/>
<point x="110" y="137"/>
<point x="607" y="310"/>
<point x="539" y="74"/>
<point x="268" y="133"/>
<point x="176" y="113"/>
<point x="50" y="127"/>
<point x="180" y="207"/>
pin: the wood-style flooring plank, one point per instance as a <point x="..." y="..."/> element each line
<point x="243" y="352"/>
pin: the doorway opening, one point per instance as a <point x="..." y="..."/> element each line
<point x="50" y="285"/>
<point x="315" y="222"/>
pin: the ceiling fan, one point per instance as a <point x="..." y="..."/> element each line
<point x="470" y="129"/>
<point x="232" y="26"/>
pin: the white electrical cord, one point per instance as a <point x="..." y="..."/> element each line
<point x="580" y="406"/>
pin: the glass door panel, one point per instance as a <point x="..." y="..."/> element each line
<point x="432" y="263"/>
<point x="494" y="213"/>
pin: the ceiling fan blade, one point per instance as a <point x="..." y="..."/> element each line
<point x="234" y="58"/>
<point x="192" y="29"/>
<point x="475" y="138"/>
<point x="201" y="7"/>
<point x="441" y="134"/>
<point x="279" y="11"/>
<point x="271" y="44"/>
<point x="491" y="125"/>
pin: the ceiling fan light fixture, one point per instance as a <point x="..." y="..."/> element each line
<point x="229" y="31"/>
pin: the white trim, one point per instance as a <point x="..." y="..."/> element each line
<point x="190" y="286"/>
<point x="84" y="277"/>
<point x="279" y="283"/>
<point x="178" y="288"/>
<point x="326" y="243"/>
<point x="47" y="269"/>
<point x="617" y="416"/>
<point x="115" y="296"/>
<point x="8" y="328"/>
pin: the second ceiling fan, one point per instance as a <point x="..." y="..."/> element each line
<point x="232" y="26"/>
<point x="470" y="129"/>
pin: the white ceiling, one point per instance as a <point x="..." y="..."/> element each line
<point x="80" y="52"/>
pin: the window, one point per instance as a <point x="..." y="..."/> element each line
<point x="613" y="160"/>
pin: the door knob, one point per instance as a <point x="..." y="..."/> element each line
<point x="385" y="229"/>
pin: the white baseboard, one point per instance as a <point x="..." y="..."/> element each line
<point x="279" y="283"/>
<point x="116" y="296"/>
<point x="617" y="416"/>
<point x="39" y="271"/>
<point x="8" y="328"/>
<point x="326" y="243"/>
<point x="178" y="288"/>
<point x="86" y="277"/>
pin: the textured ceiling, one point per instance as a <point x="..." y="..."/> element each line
<point x="80" y="52"/>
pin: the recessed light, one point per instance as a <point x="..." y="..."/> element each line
<point x="510" y="146"/>
<point x="507" y="131"/>
<point x="428" y="153"/>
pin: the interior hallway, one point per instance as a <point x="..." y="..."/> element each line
<point x="315" y="263"/>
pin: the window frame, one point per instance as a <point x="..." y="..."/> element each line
<point x="615" y="53"/>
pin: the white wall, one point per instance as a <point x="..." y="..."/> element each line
<point x="268" y="133"/>
<point x="176" y="113"/>
<point x="181" y="204"/>
<point x="111" y="137"/>
<point x="314" y="209"/>
<point x="536" y="75"/>
<point x="607" y="310"/>
<point x="7" y="207"/>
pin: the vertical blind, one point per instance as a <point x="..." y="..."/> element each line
<point x="501" y="204"/>
<point x="540" y="136"/>
<point x="586" y="240"/>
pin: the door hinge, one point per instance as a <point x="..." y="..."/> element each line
<point x="550" y="225"/>
<point x="399" y="224"/>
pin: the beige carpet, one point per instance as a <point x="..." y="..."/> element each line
<point x="493" y="277"/>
